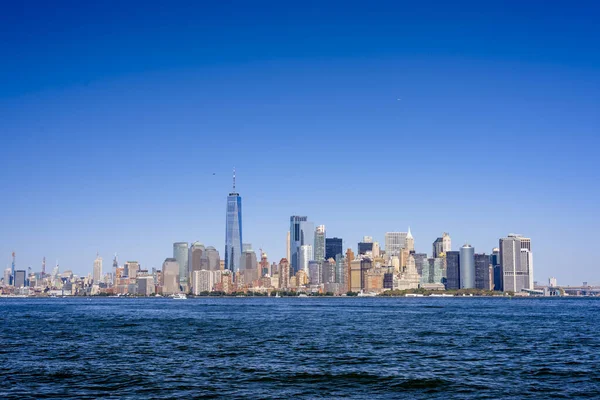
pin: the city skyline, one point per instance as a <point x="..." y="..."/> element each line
<point x="464" y="122"/>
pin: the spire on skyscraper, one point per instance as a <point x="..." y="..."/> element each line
<point x="234" y="179"/>
<point x="409" y="235"/>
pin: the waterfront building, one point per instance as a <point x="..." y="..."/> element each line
<point x="453" y="270"/>
<point x="484" y="272"/>
<point x="349" y="259"/>
<point x="20" y="279"/>
<point x="433" y="274"/>
<point x="365" y="265"/>
<point x="355" y="276"/>
<point x="7" y="276"/>
<point x="497" y="268"/>
<point x="467" y="267"/>
<point x="409" y="278"/>
<point x="442" y="245"/>
<point x="97" y="271"/>
<point x="284" y="274"/>
<point x="514" y="264"/>
<point x="288" y="256"/>
<point x="170" y="276"/>
<point x="145" y="285"/>
<point x="233" y="230"/>
<point x="181" y="254"/>
<point x="301" y="233"/>
<point x="306" y="255"/>
<point x="205" y="281"/>
<point x="394" y="241"/>
<point x="333" y="247"/>
<point x="301" y="278"/>
<point x="319" y="245"/>
<point x="264" y="267"/>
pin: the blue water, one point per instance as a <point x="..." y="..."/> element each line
<point x="300" y="347"/>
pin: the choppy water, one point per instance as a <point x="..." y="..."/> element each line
<point x="306" y="348"/>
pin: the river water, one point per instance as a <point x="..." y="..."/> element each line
<point x="359" y="348"/>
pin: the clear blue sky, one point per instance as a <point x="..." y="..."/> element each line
<point x="115" y="115"/>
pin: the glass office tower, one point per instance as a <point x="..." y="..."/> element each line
<point x="233" y="230"/>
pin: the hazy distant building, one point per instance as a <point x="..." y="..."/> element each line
<point x="233" y="231"/>
<point x="394" y="241"/>
<point x="145" y="285"/>
<point x="97" y="275"/>
<point x="170" y="276"/>
<point x="195" y="257"/>
<point x="495" y="261"/>
<point x="7" y="273"/>
<point x="467" y="267"/>
<point x="328" y="271"/>
<point x="181" y="254"/>
<point x="20" y="278"/>
<point x="249" y="266"/>
<point x="442" y="245"/>
<point x="319" y="245"/>
<point x="333" y="247"/>
<point x="131" y="268"/>
<point x="214" y="261"/>
<point x="453" y="270"/>
<point x="484" y="276"/>
<point x="301" y="233"/>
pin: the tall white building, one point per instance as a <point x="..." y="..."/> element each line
<point x="410" y="241"/>
<point x="97" y="275"/>
<point x="394" y="241"/>
<point x="205" y="281"/>
<point x="516" y="262"/>
<point x="306" y="255"/>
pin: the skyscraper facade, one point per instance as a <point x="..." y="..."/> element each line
<point x="233" y="230"/>
<point x="394" y="241"/>
<point x="442" y="245"/>
<point x="181" y="254"/>
<point x="301" y="233"/>
<point x="364" y="248"/>
<point x="467" y="267"/>
<point x="319" y="245"/>
<point x="306" y="255"/>
<point x="453" y="270"/>
<point x="97" y="271"/>
<point x="483" y="272"/>
<point x="333" y="247"/>
<point x="214" y="260"/>
<point x="170" y="276"/>
<point x="515" y="272"/>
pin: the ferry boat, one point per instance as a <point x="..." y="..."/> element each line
<point x="179" y="296"/>
<point x="441" y="295"/>
<point x="302" y="295"/>
<point x="414" y="295"/>
<point x="363" y="294"/>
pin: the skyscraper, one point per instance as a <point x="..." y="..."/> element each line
<point x="394" y="241"/>
<point x="195" y="255"/>
<point x="214" y="260"/>
<point x="181" y="254"/>
<point x="410" y="241"/>
<point x="483" y="272"/>
<point x="170" y="276"/>
<point x="467" y="267"/>
<point x="301" y="233"/>
<point x="442" y="245"/>
<point x="364" y="248"/>
<point x="333" y="247"/>
<point x="284" y="274"/>
<point x="306" y="255"/>
<point x="453" y="270"/>
<point x="514" y="264"/>
<point x="319" y="245"/>
<point x="233" y="230"/>
<point x="97" y="272"/>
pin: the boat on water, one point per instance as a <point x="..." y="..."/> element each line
<point x="363" y="294"/>
<point x="277" y="295"/>
<point x="414" y="295"/>
<point x="302" y="295"/>
<point x="441" y="295"/>
<point x="179" y="296"/>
